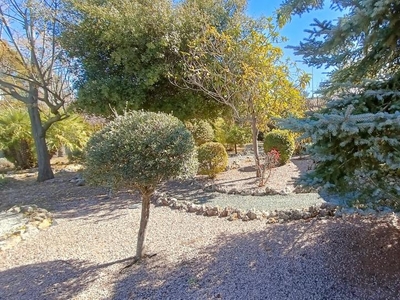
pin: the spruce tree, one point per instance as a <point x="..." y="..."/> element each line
<point x="355" y="139"/>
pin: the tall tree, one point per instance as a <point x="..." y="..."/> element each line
<point x="239" y="67"/>
<point x="126" y="49"/>
<point x="32" y="66"/>
<point x="355" y="139"/>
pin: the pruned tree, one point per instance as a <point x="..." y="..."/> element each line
<point x="139" y="150"/>
<point x="33" y="69"/>
<point x="241" y="68"/>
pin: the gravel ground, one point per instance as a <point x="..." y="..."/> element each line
<point x="271" y="203"/>
<point x="193" y="193"/>
<point x="200" y="258"/>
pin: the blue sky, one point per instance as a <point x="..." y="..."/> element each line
<point x="294" y="31"/>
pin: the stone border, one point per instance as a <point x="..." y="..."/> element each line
<point x="259" y="191"/>
<point x="320" y="211"/>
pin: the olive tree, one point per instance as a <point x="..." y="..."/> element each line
<point x="139" y="150"/>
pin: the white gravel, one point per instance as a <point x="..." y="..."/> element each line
<point x="201" y="258"/>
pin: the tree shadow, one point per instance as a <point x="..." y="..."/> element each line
<point x="248" y="169"/>
<point x="59" y="279"/>
<point x="336" y="260"/>
<point x="189" y="190"/>
<point x="64" y="198"/>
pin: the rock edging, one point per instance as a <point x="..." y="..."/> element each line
<point x="259" y="191"/>
<point x="319" y="211"/>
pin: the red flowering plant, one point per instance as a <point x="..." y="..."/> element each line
<point x="271" y="160"/>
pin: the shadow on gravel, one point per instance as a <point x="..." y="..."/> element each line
<point x="333" y="260"/>
<point x="63" y="198"/>
<point x="60" y="279"/>
<point x="52" y="280"/>
<point x="186" y="190"/>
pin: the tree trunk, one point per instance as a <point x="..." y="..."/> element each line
<point x="44" y="168"/>
<point x="144" y="218"/>
<point x="254" y="131"/>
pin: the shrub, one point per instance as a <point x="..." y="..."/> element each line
<point x="231" y="134"/>
<point x="17" y="143"/>
<point x="237" y="135"/>
<point x="72" y="133"/>
<point x="282" y="141"/>
<point x="15" y="137"/>
<point x="213" y="159"/>
<point x="202" y="131"/>
<point x="139" y="150"/>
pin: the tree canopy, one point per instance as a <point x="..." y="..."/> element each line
<point x="126" y="49"/>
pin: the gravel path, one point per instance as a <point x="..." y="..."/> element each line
<point x="200" y="258"/>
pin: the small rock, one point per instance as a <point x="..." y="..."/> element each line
<point x="225" y="212"/>
<point x="221" y="189"/>
<point x="258" y="192"/>
<point x="269" y="191"/>
<point x="246" y="192"/>
<point x="245" y="218"/>
<point x="233" y="216"/>
<point x="192" y="208"/>
<point x="15" y="209"/>
<point x="159" y="202"/>
<point x="46" y="223"/>
<point x="323" y="212"/>
<point x="27" y="209"/>
<point x="296" y="214"/>
<point x="285" y="191"/>
<point x="212" y="211"/>
<point x="272" y="221"/>
<point x="184" y="206"/>
<point x="80" y="182"/>
<point x="283" y="215"/>
<point x="252" y="215"/>
<point x="165" y="201"/>
<point x="266" y="214"/>
<point x="233" y="191"/>
<point x="37" y="218"/>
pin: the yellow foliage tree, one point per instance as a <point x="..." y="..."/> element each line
<point x="241" y="68"/>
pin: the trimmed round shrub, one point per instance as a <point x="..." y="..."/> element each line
<point x="282" y="141"/>
<point x="202" y="131"/>
<point x="139" y="150"/>
<point x="213" y="159"/>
